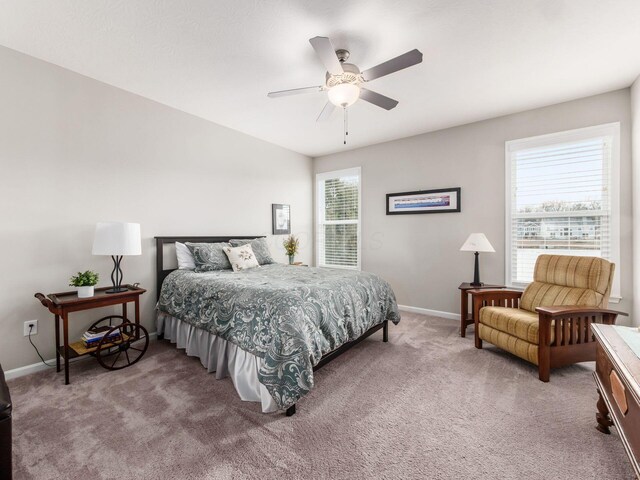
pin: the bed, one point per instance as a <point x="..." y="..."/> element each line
<point x="269" y="328"/>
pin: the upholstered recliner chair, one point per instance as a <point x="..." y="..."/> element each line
<point x="549" y="324"/>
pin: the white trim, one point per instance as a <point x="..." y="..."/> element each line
<point x="426" y="311"/>
<point x="39" y="367"/>
<point x="607" y="129"/>
<point x="319" y="214"/>
<point x="27" y="370"/>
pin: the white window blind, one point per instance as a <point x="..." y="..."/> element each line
<point x="561" y="198"/>
<point x="338" y="218"/>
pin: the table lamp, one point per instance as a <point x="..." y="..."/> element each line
<point x="117" y="239"/>
<point x="477" y="242"/>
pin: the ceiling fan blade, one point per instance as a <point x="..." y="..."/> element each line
<point x="377" y="99"/>
<point x="390" y="66"/>
<point x="294" y="91"/>
<point x="327" y="54"/>
<point x="326" y="112"/>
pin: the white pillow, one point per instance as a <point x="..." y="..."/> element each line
<point x="241" y="258"/>
<point x="185" y="257"/>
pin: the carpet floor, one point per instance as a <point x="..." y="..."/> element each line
<point x="425" y="405"/>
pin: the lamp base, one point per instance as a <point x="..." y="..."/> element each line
<point x="476" y="273"/>
<point x="116" y="276"/>
<point x="116" y="290"/>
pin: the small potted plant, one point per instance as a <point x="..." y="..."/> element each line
<point x="85" y="283"/>
<point x="291" y="245"/>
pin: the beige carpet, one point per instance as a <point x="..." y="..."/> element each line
<point x="425" y="405"/>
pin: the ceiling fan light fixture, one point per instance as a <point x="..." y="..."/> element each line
<point x="344" y="94"/>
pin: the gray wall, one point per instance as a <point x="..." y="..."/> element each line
<point x="635" y="143"/>
<point x="419" y="254"/>
<point x="74" y="151"/>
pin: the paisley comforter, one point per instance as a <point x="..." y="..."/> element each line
<point x="289" y="316"/>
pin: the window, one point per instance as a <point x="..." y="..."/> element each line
<point x="562" y="198"/>
<point x="338" y="219"/>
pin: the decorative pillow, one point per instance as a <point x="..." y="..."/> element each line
<point x="241" y="258"/>
<point x="209" y="256"/>
<point x="260" y="248"/>
<point x="185" y="257"/>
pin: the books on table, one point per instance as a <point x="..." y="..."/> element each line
<point x="92" y="337"/>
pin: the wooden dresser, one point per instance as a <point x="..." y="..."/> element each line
<point x="617" y="378"/>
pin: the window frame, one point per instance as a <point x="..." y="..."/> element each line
<point x="322" y="177"/>
<point x="611" y="130"/>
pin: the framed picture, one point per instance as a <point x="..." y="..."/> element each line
<point x="281" y="219"/>
<point x="424" y="201"/>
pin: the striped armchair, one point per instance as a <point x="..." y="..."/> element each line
<point x="549" y="324"/>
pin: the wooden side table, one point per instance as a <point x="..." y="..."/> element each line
<point x="466" y="318"/>
<point x="62" y="304"/>
<point x="617" y="378"/>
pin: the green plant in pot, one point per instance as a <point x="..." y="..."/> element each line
<point x="291" y="246"/>
<point x="84" y="281"/>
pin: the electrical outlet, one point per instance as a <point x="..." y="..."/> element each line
<point x="27" y="325"/>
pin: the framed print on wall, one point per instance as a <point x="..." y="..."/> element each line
<point x="281" y="219"/>
<point x="424" y="201"/>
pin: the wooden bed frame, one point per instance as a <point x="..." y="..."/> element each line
<point x="161" y="274"/>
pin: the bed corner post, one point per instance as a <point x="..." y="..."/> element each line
<point x="385" y="331"/>
<point x="291" y="410"/>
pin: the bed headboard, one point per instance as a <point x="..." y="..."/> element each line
<point x="161" y="272"/>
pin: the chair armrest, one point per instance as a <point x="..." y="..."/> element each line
<point x="568" y="310"/>
<point x="496" y="298"/>
<point x="571" y="324"/>
<point x="494" y="294"/>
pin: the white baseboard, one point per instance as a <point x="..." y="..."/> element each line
<point x="38" y="367"/>
<point x="27" y="370"/>
<point x="426" y="311"/>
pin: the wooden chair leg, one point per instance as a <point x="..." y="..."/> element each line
<point x="544" y="372"/>
<point x="476" y="323"/>
<point x="544" y="348"/>
<point x="544" y="362"/>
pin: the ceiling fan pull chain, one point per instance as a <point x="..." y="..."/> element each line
<point x="346" y="125"/>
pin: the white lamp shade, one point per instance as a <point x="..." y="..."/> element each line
<point x="344" y="94"/>
<point x="477" y="242"/>
<point x="117" y="238"/>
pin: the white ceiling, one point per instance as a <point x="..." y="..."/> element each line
<point x="218" y="59"/>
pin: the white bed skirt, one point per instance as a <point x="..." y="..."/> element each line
<point x="220" y="356"/>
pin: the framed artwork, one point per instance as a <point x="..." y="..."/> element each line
<point x="424" y="201"/>
<point x="281" y="219"/>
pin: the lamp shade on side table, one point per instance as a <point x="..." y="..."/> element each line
<point x="477" y="242"/>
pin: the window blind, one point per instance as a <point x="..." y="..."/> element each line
<point x="560" y="202"/>
<point x="338" y="198"/>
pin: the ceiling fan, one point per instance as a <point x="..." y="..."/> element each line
<point x="344" y="83"/>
